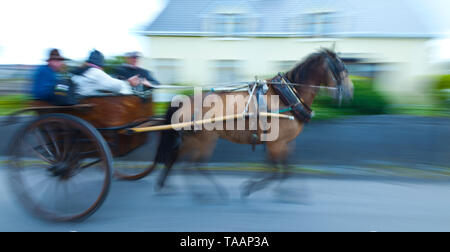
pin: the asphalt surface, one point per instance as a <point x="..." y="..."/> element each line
<point x="303" y="203"/>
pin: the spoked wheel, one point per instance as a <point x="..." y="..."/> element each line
<point x="135" y="171"/>
<point x="60" y="167"/>
<point x="126" y="170"/>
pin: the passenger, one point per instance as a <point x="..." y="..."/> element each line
<point x="91" y="80"/>
<point x="46" y="77"/>
<point x="130" y="68"/>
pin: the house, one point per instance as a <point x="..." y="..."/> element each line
<point x="221" y="41"/>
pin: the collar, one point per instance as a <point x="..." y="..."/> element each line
<point x="292" y="98"/>
<point x="94" y="66"/>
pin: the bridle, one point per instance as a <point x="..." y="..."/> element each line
<point x="336" y="66"/>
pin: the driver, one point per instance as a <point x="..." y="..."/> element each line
<point x="130" y="68"/>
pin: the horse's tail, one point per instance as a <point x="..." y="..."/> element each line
<point x="169" y="144"/>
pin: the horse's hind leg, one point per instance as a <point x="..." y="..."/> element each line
<point x="201" y="147"/>
<point x="164" y="174"/>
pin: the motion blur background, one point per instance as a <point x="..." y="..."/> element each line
<point x="397" y="125"/>
<point x="397" y="52"/>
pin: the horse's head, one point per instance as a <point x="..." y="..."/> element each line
<point x="337" y="75"/>
<point x="323" y="68"/>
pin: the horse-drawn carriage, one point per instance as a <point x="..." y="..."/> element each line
<point x="61" y="162"/>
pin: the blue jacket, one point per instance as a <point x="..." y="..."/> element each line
<point x="44" y="81"/>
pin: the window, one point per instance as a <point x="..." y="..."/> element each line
<point x="167" y="70"/>
<point x="321" y="23"/>
<point x="230" y="24"/>
<point x="226" y="71"/>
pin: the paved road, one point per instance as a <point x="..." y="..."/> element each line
<point x="306" y="204"/>
<point x="317" y="205"/>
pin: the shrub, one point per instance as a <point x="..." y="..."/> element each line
<point x="366" y="100"/>
<point x="441" y="90"/>
<point x="11" y="103"/>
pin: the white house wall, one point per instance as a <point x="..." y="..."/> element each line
<point x="405" y="59"/>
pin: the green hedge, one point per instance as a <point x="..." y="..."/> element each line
<point x="441" y="90"/>
<point x="366" y="101"/>
<point x="10" y="103"/>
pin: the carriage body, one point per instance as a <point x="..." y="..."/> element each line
<point x="110" y="115"/>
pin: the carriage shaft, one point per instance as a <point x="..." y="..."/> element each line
<point x="204" y="121"/>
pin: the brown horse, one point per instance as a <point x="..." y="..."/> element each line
<point x="323" y="68"/>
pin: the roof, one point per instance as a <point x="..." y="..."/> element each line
<point x="289" y="18"/>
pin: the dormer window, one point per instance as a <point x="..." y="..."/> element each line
<point x="320" y="23"/>
<point x="227" y="24"/>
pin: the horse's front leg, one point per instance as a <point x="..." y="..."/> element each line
<point x="254" y="185"/>
<point x="289" y="191"/>
<point x="164" y="174"/>
<point x="201" y="168"/>
<point x="277" y="154"/>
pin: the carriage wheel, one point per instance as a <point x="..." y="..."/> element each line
<point x="134" y="172"/>
<point x="125" y="170"/>
<point x="60" y="167"/>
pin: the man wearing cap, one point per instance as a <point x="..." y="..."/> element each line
<point x="91" y="80"/>
<point x="130" y="68"/>
<point x="45" y="78"/>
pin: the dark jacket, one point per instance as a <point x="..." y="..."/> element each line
<point x="44" y="81"/>
<point x="126" y="71"/>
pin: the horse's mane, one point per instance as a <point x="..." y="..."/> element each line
<point x="301" y="72"/>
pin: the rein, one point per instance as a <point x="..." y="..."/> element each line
<point x="237" y="85"/>
<point x="306" y="85"/>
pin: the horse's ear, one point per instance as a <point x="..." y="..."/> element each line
<point x="324" y="49"/>
<point x="333" y="47"/>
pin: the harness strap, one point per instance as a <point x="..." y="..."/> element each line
<point x="292" y="99"/>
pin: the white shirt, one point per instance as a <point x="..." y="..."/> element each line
<point x="94" y="81"/>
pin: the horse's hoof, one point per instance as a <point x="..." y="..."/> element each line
<point x="246" y="189"/>
<point x="291" y="196"/>
<point x="223" y="193"/>
<point x="206" y="198"/>
<point x="164" y="190"/>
